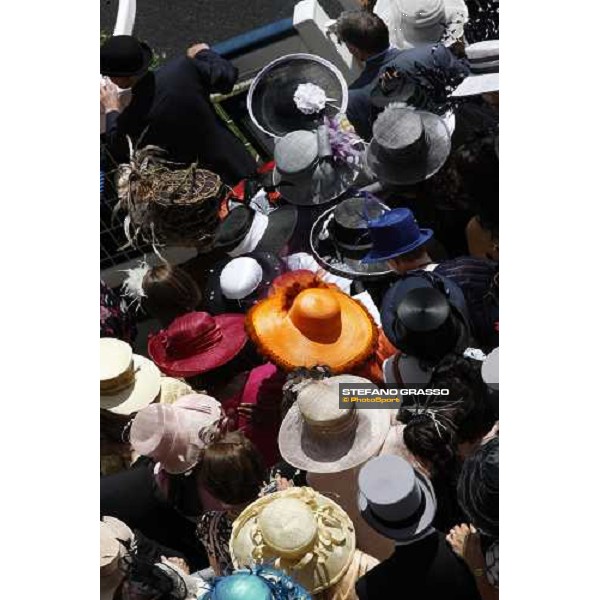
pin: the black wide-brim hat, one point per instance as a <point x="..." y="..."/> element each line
<point x="438" y="148"/>
<point x="124" y="56"/>
<point x="215" y="300"/>
<point x="270" y="99"/>
<point x="237" y="224"/>
<point x="341" y="255"/>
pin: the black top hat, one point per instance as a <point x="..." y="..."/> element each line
<point x="340" y="238"/>
<point x="271" y="97"/>
<point x="425" y="315"/>
<point x="245" y="230"/>
<point x="124" y="56"/>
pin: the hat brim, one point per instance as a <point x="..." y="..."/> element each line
<point x="147" y="54"/>
<point x="301" y="194"/>
<point x="276" y="337"/>
<point x="403" y="534"/>
<point x="280" y="228"/>
<point x="376" y="257"/>
<point x="270" y="101"/>
<point x="474" y="85"/>
<point x="144" y="391"/>
<point x="330" y="454"/>
<point x="217" y="303"/>
<point x="437" y="153"/>
<point x="231" y="344"/>
<point x="346" y="267"/>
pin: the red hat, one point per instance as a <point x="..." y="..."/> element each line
<point x="262" y="390"/>
<point x="196" y="343"/>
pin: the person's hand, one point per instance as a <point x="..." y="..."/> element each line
<point x="178" y="562"/>
<point x="465" y="541"/>
<point x="257" y="413"/>
<point x="109" y="96"/>
<point x="193" y="50"/>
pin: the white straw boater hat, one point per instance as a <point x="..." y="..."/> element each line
<point x="318" y="436"/>
<point x="128" y="381"/>
<point x="305" y="534"/>
<point x="484" y="62"/>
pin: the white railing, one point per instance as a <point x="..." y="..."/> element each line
<point x="125" y="17"/>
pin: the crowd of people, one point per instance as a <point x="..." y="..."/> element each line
<point x="364" y="250"/>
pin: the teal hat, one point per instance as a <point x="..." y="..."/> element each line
<point x="260" y="583"/>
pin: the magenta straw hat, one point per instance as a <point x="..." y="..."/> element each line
<point x="169" y="433"/>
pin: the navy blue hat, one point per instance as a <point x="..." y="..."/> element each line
<point x="395" y="233"/>
<point x="425" y="315"/>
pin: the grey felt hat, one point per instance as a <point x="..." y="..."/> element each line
<point x="395" y="499"/>
<point x="408" y="145"/>
<point x="296" y="164"/>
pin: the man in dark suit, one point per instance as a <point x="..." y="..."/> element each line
<point x="399" y="502"/>
<point x="431" y="66"/>
<point x="170" y="107"/>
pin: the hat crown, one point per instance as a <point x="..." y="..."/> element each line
<point x="288" y="526"/>
<point x="394" y="231"/>
<point x="422" y="13"/>
<point x="423" y="309"/>
<point x="296" y="153"/>
<point x="153" y="430"/>
<point x="400" y="134"/>
<point x="242" y="586"/>
<point x="190" y="334"/>
<point x="318" y="404"/>
<point x="240" y="277"/>
<point x="390" y="486"/>
<point x="121" y="54"/>
<point x="317" y="314"/>
<point x="117" y="371"/>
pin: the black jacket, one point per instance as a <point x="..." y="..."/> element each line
<point x="133" y="497"/>
<point x="425" y="570"/>
<point x="173" y="103"/>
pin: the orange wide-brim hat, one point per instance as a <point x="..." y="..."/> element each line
<point x="306" y="322"/>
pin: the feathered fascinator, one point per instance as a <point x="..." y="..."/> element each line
<point x="133" y="286"/>
<point x="258" y="583"/>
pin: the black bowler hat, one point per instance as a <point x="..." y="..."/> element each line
<point x="124" y="56"/>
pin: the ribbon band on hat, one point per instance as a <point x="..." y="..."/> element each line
<point x="342" y="426"/>
<point x="121" y="382"/>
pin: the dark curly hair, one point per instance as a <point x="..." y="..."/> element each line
<point x="430" y="436"/>
<point x="471" y="408"/>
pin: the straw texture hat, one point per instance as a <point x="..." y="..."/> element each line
<point x="172" y="389"/>
<point x="114" y="534"/>
<point x="318" y="436"/>
<point x="128" y="382"/>
<point x="305" y="534"/>
<point x="306" y="322"/>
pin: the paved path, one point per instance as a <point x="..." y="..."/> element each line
<point x="170" y="26"/>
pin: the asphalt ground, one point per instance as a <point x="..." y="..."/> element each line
<point x="170" y="26"/>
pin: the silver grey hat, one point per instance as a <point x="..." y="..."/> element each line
<point x="408" y="145"/>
